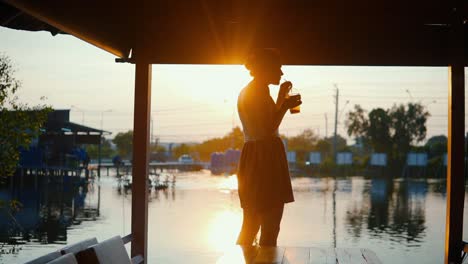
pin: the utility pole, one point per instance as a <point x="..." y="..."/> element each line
<point x="326" y="125"/>
<point x="337" y="95"/>
<point x="152" y="130"/>
<point x="335" y="183"/>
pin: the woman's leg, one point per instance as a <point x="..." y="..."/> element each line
<point x="250" y="227"/>
<point x="270" y="221"/>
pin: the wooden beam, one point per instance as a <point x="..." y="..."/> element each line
<point x="141" y="133"/>
<point x="456" y="154"/>
<point x="360" y="32"/>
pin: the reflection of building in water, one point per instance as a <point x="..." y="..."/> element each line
<point x="395" y="209"/>
<point x="50" y="204"/>
<point x="408" y="209"/>
<point x="380" y="194"/>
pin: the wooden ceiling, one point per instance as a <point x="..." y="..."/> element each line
<point x="308" y="32"/>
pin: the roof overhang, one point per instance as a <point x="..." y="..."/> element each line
<point x="308" y="32"/>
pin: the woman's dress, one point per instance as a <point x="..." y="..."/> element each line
<point x="263" y="174"/>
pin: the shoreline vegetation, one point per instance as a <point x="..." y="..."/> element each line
<point x="304" y="144"/>
<point x="395" y="133"/>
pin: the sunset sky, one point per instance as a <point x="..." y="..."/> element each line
<point x="196" y="102"/>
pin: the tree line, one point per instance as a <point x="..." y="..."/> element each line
<point x="394" y="131"/>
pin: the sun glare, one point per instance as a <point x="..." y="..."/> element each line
<point x="209" y="84"/>
<point x="229" y="183"/>
<point x="223" y="230"/>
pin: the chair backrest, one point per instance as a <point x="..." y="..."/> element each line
<point x="112" y="251"/>
<point x="45" y="259"/>
<point x="65" y="259"/>
<point x="79" y="246"/>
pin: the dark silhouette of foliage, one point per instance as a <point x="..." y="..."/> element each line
<point x="436" y="146"/>
<point x="378" y="131"/>
<point x="181" y="150"/>
<point x="304" y="141"/>
<point x="302" y="144"/>
<point x="20" y="123"/>
<point x="392" y="131"/>
<point x="233" y="140"/>
<point x="124" y="143"/>
<point x="106" y="149"/>
<point x="408" y="127"/>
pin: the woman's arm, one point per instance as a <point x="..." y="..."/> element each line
<point x="278" y="116"/>
<point x="282" y="93"/>
<point x="289" y="102"/>
<point x="283" y="103"/>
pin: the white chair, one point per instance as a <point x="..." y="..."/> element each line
<point x="112" y="251"/>
<point x="109" y="251"/>
<point x="65" y="259"/>
<point x="79" y="246"/>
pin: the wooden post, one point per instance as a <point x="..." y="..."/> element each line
<point x="455" y="151"/>
<point x="141" y="132"/>
<point x="99" y="157"/>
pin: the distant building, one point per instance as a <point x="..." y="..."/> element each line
<point x="416" y="165"/>
<point x="226" y="162"/>
<point x="291" y="157"/>
<point x="378" y="159"/>
<point x="315" y="158"/>
<point x="416" y="159"/>
<point x="60" y="143"/>
<point x="344" y="158"/>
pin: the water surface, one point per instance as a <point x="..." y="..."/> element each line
<point x="195" y="221"/>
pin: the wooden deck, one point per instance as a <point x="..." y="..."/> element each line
<point x="298" y="255"/>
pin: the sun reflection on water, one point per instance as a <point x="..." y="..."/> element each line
<point x="229" y="183"/>
<point x="223" y="230"/>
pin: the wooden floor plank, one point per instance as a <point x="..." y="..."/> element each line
<point x="350" y="256"/>
<point x="317" y="256"/>
<point x="239" y="255"/>
<point x="270" y="255"/>
<point x="370" y="256"/>
<point x="296" y="255"/>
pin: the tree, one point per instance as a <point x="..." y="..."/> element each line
<point x="302" y="144"/>
<point x="357" y="122"/>
<point x="340" y="142"/>
<point x="304" y="141"/>
<point x="158" y="148"/>
<point x="234" y="140"/>
<point x="378" y="130"/>
<point x="392" y="130"/>
<point x="20" y="123"/>
<point x="181" y="150"/>
<point x="106" y="149"/>
<point x="408" y="126"/>
<point x="436" y="146"/>
<point x="124" y="143"/>
<point x="323" y="146"/>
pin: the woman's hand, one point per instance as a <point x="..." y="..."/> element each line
<point x="292" y="101"/>
<point x="284" y="89"/>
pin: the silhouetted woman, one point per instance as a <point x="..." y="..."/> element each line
<point x="263" y="175"/>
